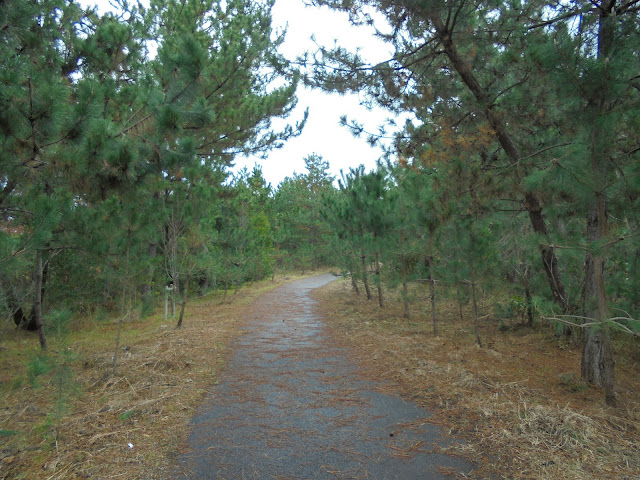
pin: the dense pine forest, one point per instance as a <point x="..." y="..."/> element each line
<point x="514" y="183"/>
<point x="118" y="134"/>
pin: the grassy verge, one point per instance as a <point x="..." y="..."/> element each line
<point x="519" y="402"/>
<point x="65" y="416"/>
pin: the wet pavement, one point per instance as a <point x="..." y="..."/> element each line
<point x="290" y="405"/>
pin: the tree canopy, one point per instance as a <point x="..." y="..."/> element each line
<point x="117" y="132"/>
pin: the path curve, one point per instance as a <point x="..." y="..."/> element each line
<point x="290" y="405"/>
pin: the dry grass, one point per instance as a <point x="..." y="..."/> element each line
<point x="518" y="402"/>
<point x="127" y="426"/>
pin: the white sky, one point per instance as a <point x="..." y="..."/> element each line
<point x="322" y="134"/>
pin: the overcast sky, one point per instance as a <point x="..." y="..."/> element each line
<point x="323" y="134"/>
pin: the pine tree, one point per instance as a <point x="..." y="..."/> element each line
<point x="302" y="234"/>
<point x="510" y="81"/>
<point x="139" y="110"/>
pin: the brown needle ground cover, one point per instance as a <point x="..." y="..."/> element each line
<point x="518" y="402"/>
<point x="162" y="376"/>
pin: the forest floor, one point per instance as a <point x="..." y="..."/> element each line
<point x="518" y="402"/>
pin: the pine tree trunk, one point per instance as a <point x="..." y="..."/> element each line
<point x="405" y="287"/>
<point x="152" y="251"/>
<point x="379" y="282"/>
<point x="123" y="308"/>
<point x="598" y="364"/>
<point x="114" y="364"/>
<point x="432" y="292"/>
<point x="549" y="259"/>
<point x="185" y="292"/>
<point x="37" y="303"/>
<point x="353" y="267"/>
<point x="175" y="281"/>
<point x="476" y="330"/>
<point x="365" y="280"/>
<point x="203" y="285"/>
<point x="523" y="274"/>
<point x="354" y="284"/>
<point x="528" y="300"/>
<point x="428" y="263"/>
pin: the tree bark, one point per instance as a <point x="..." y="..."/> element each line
<point x="428" y="263"/>
<point x="365" y="280"/>
<point x="152" y="251"/>
<point x="405" y="287"/>
<point x="523" y="273"/>
<point x="203" y="285"/>
<point x="434" y="315"/>
<point x="37" y="303"/>
<point x="123" y="306"/>
<point x="549" y="259"/>
<point x="528" y="300"/>
<point x="476" y="330"/>
<point x="185" y="292"/>
<point x="598" y="364"/>
<point x="379" y="282"/>
<point x="354" y="284"/>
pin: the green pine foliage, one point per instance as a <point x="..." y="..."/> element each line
<point x="301" y="234"/>
<point x="525" y="115"/>
<point x="117" y="133"/>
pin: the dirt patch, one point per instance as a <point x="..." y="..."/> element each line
<point x="519" y="401"/>
<point x="86" y="423"/>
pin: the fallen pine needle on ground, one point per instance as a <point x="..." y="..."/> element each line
<point x="518" y="404"/>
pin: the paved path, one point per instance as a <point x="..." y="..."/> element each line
<point x="292" y="406"/>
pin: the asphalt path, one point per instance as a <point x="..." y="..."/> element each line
<point x="292" y="406"/>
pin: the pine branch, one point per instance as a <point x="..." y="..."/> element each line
<point x="619" y="239"/>
<point x="505" y="90"/>
<point x="627" y="7"/>
<point x="560" y="18"/>
<point x="126" y="130"/>
<point x="8" y="188"/>
<point x="545" y="149"/>
<point x="451" y="25"/>
<point x="22" y="248"/>
<point x="591" y="322"/>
